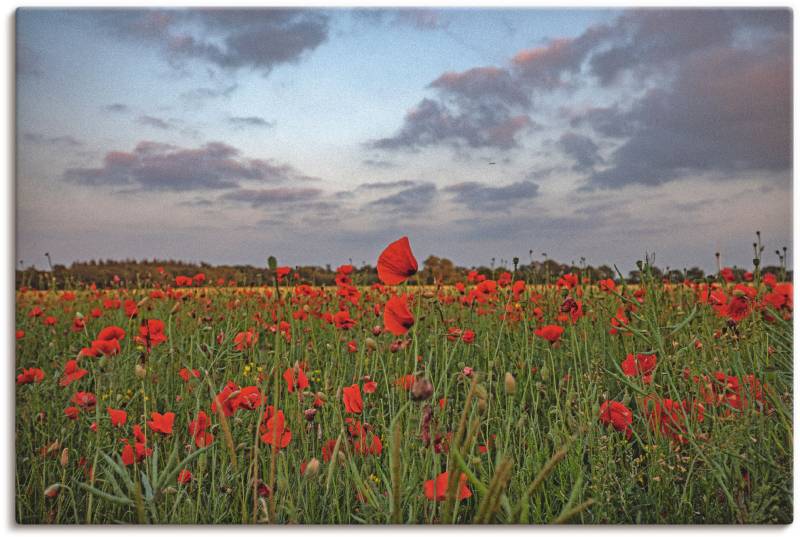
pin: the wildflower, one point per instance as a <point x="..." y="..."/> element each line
<point x="436" y="489"/>
<point x="397" y="263"/>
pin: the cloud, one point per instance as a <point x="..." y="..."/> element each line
<point x="160" y="167"/>
<point x="379" y="163"/>
<point x="727" y="111"/>
<point x="492" y="106"/>
<point x="118" y="108"/>
<point x="198" y="95"/>
<point x="273" y="196"/>
<point x="249" y="121"/>
<point x="152" y="121"/>
<point x="255" y="39"/>
<point x="41" y="139"/>
<point x="418" y="19"/>
<point x="409" y="201"/>
<point x="388" y="185"/>
<point x="433" y="122"/>
<point x="581" y="149"/>
<point x="480" y="196"/>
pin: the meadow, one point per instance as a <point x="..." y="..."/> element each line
<point x="490" y="401"/>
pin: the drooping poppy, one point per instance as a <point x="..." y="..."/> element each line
<point x="161" y="423"/>
<point x="351" y="396"/>
<point x="551" y="332"/>
<point x="617" y="415"/>
<point x="397" y="263"/>
<point x="118" y="417"/>
<point x="397" y="318"/>
<point x="436" y="489"/>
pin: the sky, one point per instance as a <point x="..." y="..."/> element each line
<point x="319" y="136"/>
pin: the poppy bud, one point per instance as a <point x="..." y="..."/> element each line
<point x="481" y="393"/>
<point x="429" y="295"/>
<point x="169" y="490"/>
<point x="175" y="309"/>
<point x="53" y="490"/>
<point x="481" y="405"/>
<point x="64" y="460"/>
<point x="140" y="371"/>
<point x="312" y="468"/>
<point x="377" y="330"/>
<point x="421" y="390"/>
<point x="142" y="302"/>
<point x="544" y="372"/>
<point x="371" y="344"/>
<point x="510" y="384"/>
<point x="310" y="413"/>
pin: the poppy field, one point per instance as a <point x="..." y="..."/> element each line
<point x="491" y="401"/>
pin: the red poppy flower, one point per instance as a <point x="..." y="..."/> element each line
<point x="396" y="263"/>
<point x="641" y="365"/>
<point x="436" y="489"/>
<point x="295" y="379"/>
<point x="33" y="374"/>
<point x="274" y="430"/>
<point x="618" y="415"/>
<point x="111" y="332"/>
<point x="197" y="429"/>
<point x="85" y="400"/>
<point x="151" y="333"/>
<point x="551" y="332"/>
<point x="105" y="347"/>
<point x="397" y="318"/>
<point x="184" y="477"/>
<point x="352" y="399"/>
<point x="161" y="423"/>
<point x="342" y="320"/>
<point x="71" y="412"/>
<point x="248" y="398"/>
<point x="118" y="417"/>
<point x="186" y="374"/>
<point x="370" y="386"/>
<point x="245" y="340"/>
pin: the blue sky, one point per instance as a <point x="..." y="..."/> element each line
<point x="318" y="136"/>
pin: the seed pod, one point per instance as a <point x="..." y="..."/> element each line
<point x="312" y="468"/>
<point x="53" y="490"/>
<point x="510" y="384"/>
<point x="421" y="390"/>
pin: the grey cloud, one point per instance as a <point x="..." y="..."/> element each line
<point x="41" y="139"/>
<point x="116" y="108"/>
<point x="408" y="201"/>
<point x="432" y="122"/>
<point x="581" y="149"/>
<point x="386" y="185"/>
<point x="378" y="163"/>
<point x="249" y="121"/>
<point x="155" y="166"/>
<point x="273" y="196"/>
<point x="257" y="39"/>
<point x="152" y="121"/>
<point x="480" y="196"/>
<point x="738" y="119"/>
<point x="198" y="95"/>
<point x="419" y="19"/>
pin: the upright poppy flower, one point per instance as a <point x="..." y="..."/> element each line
<point x="396" y="263"/>
<point x="118" y="417"/>
<point x="295" y="378"/>
<point x="111" y="332"/>
<point x="197" y="429"/>
<point x="640" y="365"/>
<point x="161" y="423"/>
<point x="274" y="429"/>
<point x="85" y="400"/>
<point x="551" y="332"/>
<point x="71" y="373"/>
<point x="397" y="318"/>
<point x="436" y="489"/>
<point x="351" y="396"/>
<point x="617" y="415"/>
<point x="33" y="374"/>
